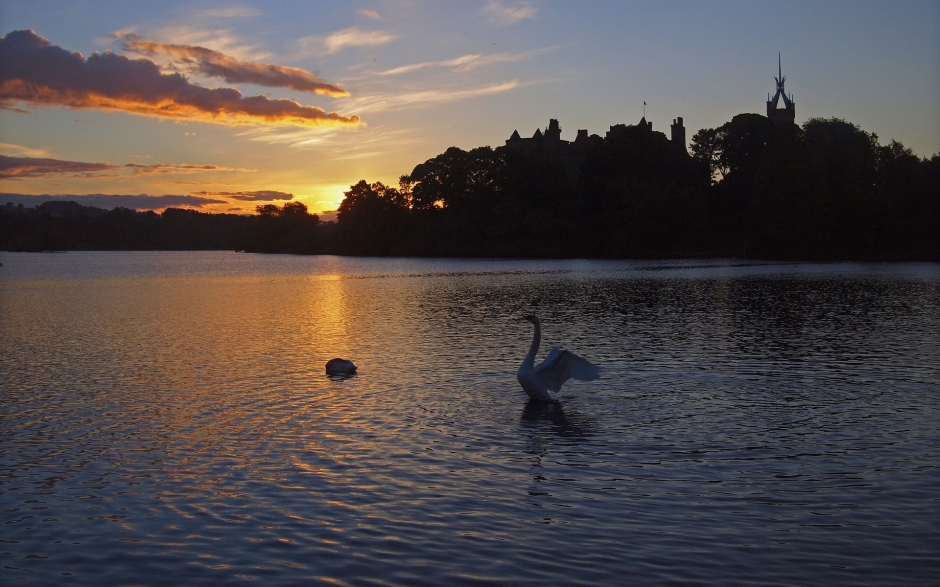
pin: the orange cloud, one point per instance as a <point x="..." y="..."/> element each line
<point x="234" y="71"/>
<point x="369" y="13"/>
<point x="34" y="71"/>
<point x="20" y="167"/>
<point x="261" y="195"/>
<point x="139" y="169"/>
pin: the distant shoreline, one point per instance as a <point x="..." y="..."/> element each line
<point x="734" y="261"/>
<point x="753" y="188"/>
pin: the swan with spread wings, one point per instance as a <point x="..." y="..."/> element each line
<point x="559" y="366"/>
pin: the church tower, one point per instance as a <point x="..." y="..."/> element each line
<point x="787" y="114"/>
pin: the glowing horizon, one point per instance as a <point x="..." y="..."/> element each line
<point x="235" y="104"/>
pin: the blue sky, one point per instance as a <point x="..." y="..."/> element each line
<point x="423" y="76"/>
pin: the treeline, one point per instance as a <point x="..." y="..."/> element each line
<point x="636" y="195"/>
<point x="69" y="226"/>
<point x="826" y="190"/>
<point x="750" y="188"/>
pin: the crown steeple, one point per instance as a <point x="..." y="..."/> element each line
<point x="788" y="112"/>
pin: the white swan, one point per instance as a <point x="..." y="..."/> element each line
<point x="559" y="366"/>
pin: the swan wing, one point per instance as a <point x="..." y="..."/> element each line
<point x="560" y="366"/>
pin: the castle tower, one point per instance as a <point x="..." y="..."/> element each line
<point x="678" y="134"/>
<point x="553" y="132"/>
<point x="787" y="114"/>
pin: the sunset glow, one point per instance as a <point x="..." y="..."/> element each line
<point x="227" y="106"/>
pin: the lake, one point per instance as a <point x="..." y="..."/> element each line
<point x="166" y="420"/>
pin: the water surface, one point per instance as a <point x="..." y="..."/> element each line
<point x="165" y="420"/>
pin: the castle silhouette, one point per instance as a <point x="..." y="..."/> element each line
<point x="571" y="153"/>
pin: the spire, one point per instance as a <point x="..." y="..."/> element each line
<point x="780" y="80"/>
<point x="788" y="112"/>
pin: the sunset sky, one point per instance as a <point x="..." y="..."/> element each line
<point x="224" y="106"/>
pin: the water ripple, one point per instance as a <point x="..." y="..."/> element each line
<point x="166" y="420"/>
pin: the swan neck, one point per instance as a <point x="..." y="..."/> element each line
<point x="536" y="340"/>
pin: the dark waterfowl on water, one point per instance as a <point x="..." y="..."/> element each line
<point x="340" y="368"/>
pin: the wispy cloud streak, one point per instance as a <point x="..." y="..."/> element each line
<point x="424" y="97"/>
<point x="505" y="15"/>
<point x="223" y="40"/>
<point x="339" y="40"/>
<point x="36" y="72"/>
<point x="227" y="12"/>
<point x="469" y="62"/>
<point x="28" y="151"/>
<point x="216" y="64"/>
<point x="363" y="142"/>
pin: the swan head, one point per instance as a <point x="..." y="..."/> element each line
<point x="531" y="318"/>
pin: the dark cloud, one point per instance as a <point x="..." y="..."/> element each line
<point x="257" y="196"/>
<point x="20" y="167"/>
<point x="36" y="72"/>
<point x="234" y="71"/>
<point x="109" y="201"/>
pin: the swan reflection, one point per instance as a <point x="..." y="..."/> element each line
<point x="539" y="412"/>
<point x="341" y="376"/>
<point x="543" y="420"/>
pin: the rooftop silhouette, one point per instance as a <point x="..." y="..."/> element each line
<point x="571" y="154"/>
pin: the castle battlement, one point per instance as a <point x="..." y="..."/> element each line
<point x="571" y="153"/>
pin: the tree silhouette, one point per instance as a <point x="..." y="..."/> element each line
<point x="752" y="187"/>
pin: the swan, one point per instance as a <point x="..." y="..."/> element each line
<point x="340" y="368"/>
<point x="559" y="366"/>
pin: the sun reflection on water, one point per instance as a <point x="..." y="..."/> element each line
<point x="172" y="415"/>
